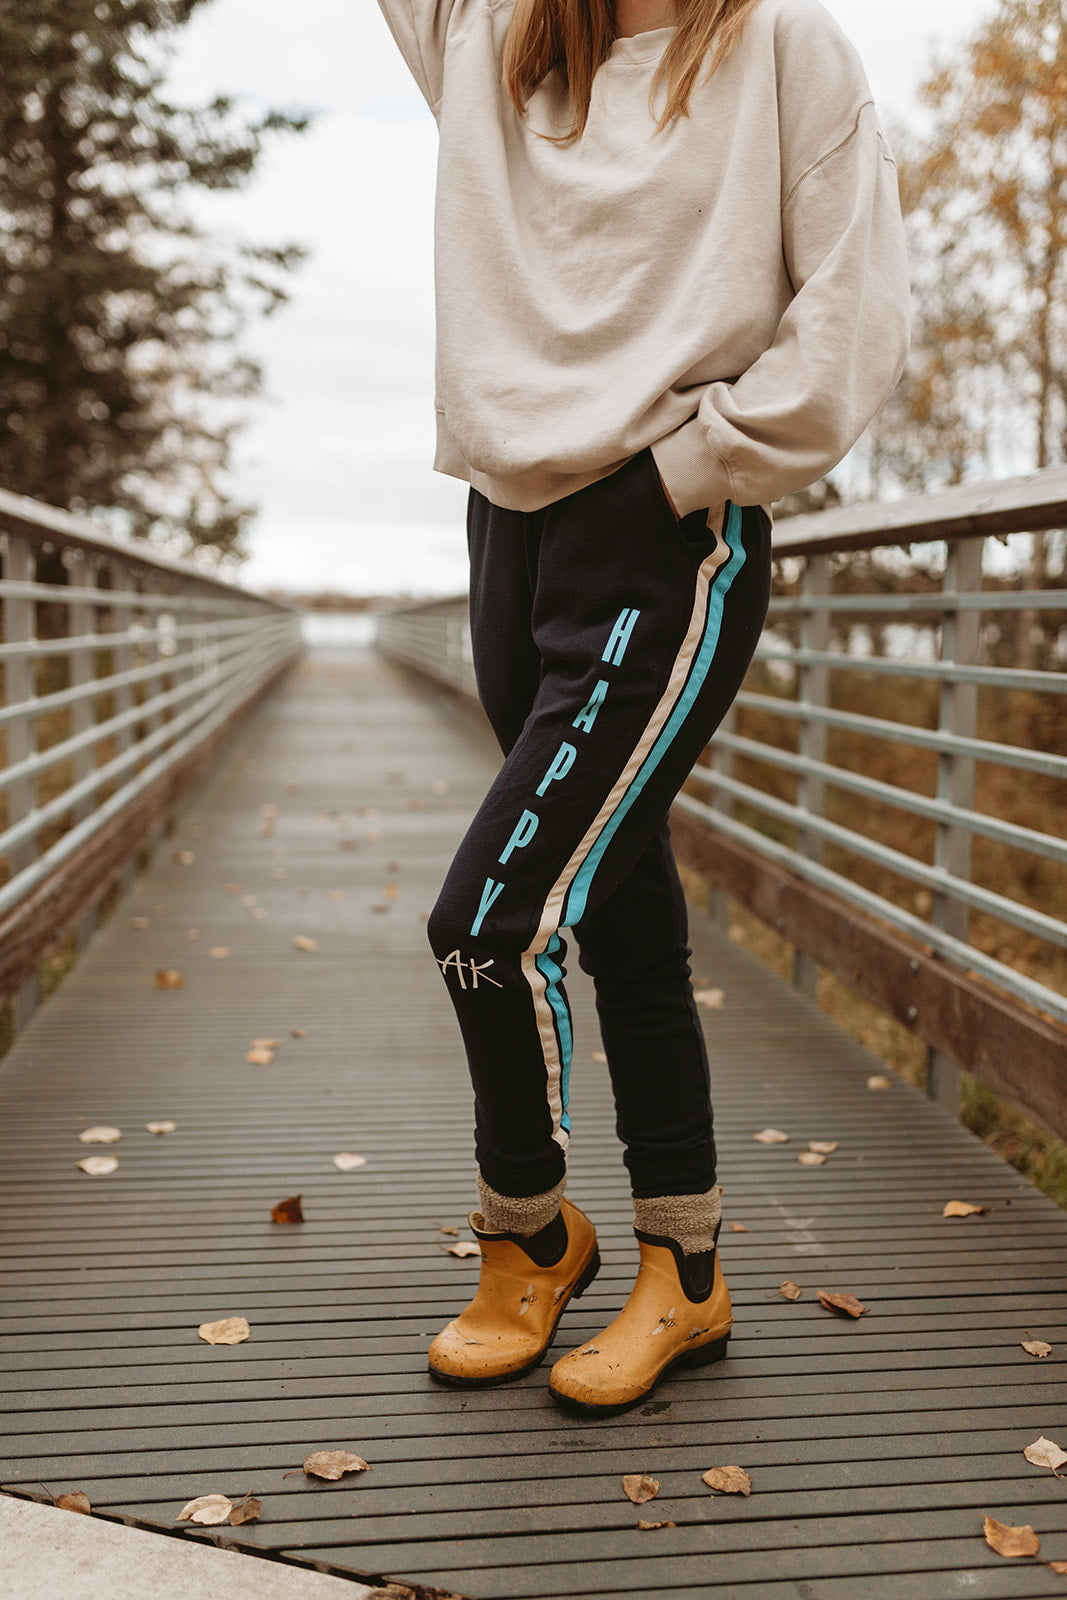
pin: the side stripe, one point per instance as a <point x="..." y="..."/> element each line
<point x="553" y="973"/>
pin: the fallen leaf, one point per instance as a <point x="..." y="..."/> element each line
<point x="738" y="1227"/>
<point x="231" y="888"/>
<point x="160" y="1128"/>
<point x="453" y="1231"/>
<point x="248" y="901"/>
<point x="347" y="1162"/>
<point x="822" y="1147"/>
<point x="288" y="1210"/>
<point x="391" y="891"/>
<point x="207" y="1509"/>
<point x="230" y="1330"/>
<point x="336" y="894"/>
<point x="193" y="933"/>
<point x="790" y="1290"/>
<point x="646" y="1527"/>
<point x="298" y="1033"/>
<point x="75" y="1501"/>
<point x="1043" y="1453"/>
<point x="100" y="1135"/>
<point x="728" y="1480"/>
<point x="265" y="1044"/>
<point x="302" y="942"/>
<point x="961" y="1208"/>
<point x="712" y="998"/>
<point x="845" y="1302"/>
<point x="168" y="978"/>
<point x="219" y="952"/>
<point x="1059" y="1567"/>
<point x="333" y="1464"/>
<point x="639" y="1487"/>
<point x="811" y="1158"/>
<point x="98" y="1166"/>
<point x="878" y="1082"/>
<point x="184" y="858"/>
<point x="259" y="912"/>
<point x="1036" y="1347"/>
<point x="246" y="1510"/>
<point x="771" y="1136"/>
<point x="137" y="922"/>
<point x="1008" y="1541"/>
<point x="258" y="1056"/>
<point x="463" y="1248"/>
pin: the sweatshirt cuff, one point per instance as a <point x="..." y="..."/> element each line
<point x="694" y="478"/>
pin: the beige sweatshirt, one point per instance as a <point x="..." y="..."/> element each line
<point x="732" y="291"/>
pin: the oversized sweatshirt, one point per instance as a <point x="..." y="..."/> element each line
<point x="731" y="291"/>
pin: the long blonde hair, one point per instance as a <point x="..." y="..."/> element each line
<point x="573" y="38"/>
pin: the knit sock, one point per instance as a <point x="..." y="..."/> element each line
<point x="691" y="1220"/>
<point x="522" y="1214"/>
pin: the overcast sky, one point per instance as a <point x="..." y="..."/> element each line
<point x="338" y="456"/>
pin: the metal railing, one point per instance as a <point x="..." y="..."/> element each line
<point x="889" y="787"/>
<point x="123" y="673"/>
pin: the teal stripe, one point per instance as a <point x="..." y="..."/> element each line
<point x="579" y="890"/>
<point x="553" y="974"/>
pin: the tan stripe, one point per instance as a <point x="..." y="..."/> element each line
<point x="553" y="907"/>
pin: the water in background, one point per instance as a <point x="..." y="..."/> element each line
<point x="339" y="627"/>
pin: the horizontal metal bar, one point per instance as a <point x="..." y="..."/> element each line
<point x="138" y="634"/>
<point x="964" y="956"/>
<point x="29" y="826"/>
<point x="212" y="655"/>
<point x="942" y="600"/>
<point x="978" y="822"/>
<point x="67" y="594"/>
<point x="943" y="671"/>
<point x="1004" y="755"/>
<point x="936" y="879"/>
<point x="218" y="707"/>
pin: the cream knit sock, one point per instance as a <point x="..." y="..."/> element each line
<point x="523" y="1214"/>
<point x="689" y="1219"/>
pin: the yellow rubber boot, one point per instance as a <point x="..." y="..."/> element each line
<point x="510" y="1323"/>
<point x="659" y="1328"/>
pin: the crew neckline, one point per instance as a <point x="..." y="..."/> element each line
<point x="642" y="46"/>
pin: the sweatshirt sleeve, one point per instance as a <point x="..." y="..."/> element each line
<point x="419" y="28"/>
<point x="838" y="352"/>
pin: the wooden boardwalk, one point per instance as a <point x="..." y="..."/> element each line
<point x="874" y="1446"/>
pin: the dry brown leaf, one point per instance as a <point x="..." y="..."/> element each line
<point x="259" y="1056"/>
<point x="348" y="1162"/>
<point x="75" y="1501"/>
<point x="1059" y="1567"/>
<point x="193" y="933"/>
<point x="771" y="1136"/>
<point x="160" y="1128"/>
<point x="100" y="1135"/>
<point x="790" y="1290"/>
<point x="811" y="1158"/>
<point x="1043" y="1453"/>
<point x="184" y="858"/>
<point x="1008" y="1541"/>
<point x="844" y="1302"/>
<point x="98" y="1166"/>
<point x="302" y="942"/>
<point x="391" y="891"/>
<point x="879" y="1082"/>
<point x="453" y="1231"/>
<point x="738" y="1227"/>
<point x="464" y="1248"/>
<point x="336" y="894"/>
<point x="961" y="1208"/>
<point x="219" y="952"/>
<point x="333" y="1464"/>
<point x="288" y="1210"/>
<point x="231" y="888"/>
<point x="822" y="1147"/>
<point x="207" y="1509"/>
<point x="298" y="1033"/>
<point x="265" y="1044"/>
<point x="1036" y="1347"/>
<point x="712" y="998"/>
<point x="639" y="1487"/>
<point x="259" y="911"/>
<point x="137" y="922"/>
<point x="246" y="1510"/>
<point x="169" y="978"/>
<point x="230" y="1330"/>
<point x="646" y="1527"/>
<point x="728" y="1480"/>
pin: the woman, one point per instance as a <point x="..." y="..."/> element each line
<point x="671" y="288"/>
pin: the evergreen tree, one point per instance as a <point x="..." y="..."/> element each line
<point x="120" y="385"/>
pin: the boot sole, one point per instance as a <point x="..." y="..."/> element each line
<point x="582" y="1282"/>
<point x="715" y="1350"/>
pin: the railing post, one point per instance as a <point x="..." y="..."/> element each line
<point x="958" y="714"/>
<point x="813" y="685"/>
<point x="20" y="734"/>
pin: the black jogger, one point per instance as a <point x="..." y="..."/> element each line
<point x="609" y="640"/>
